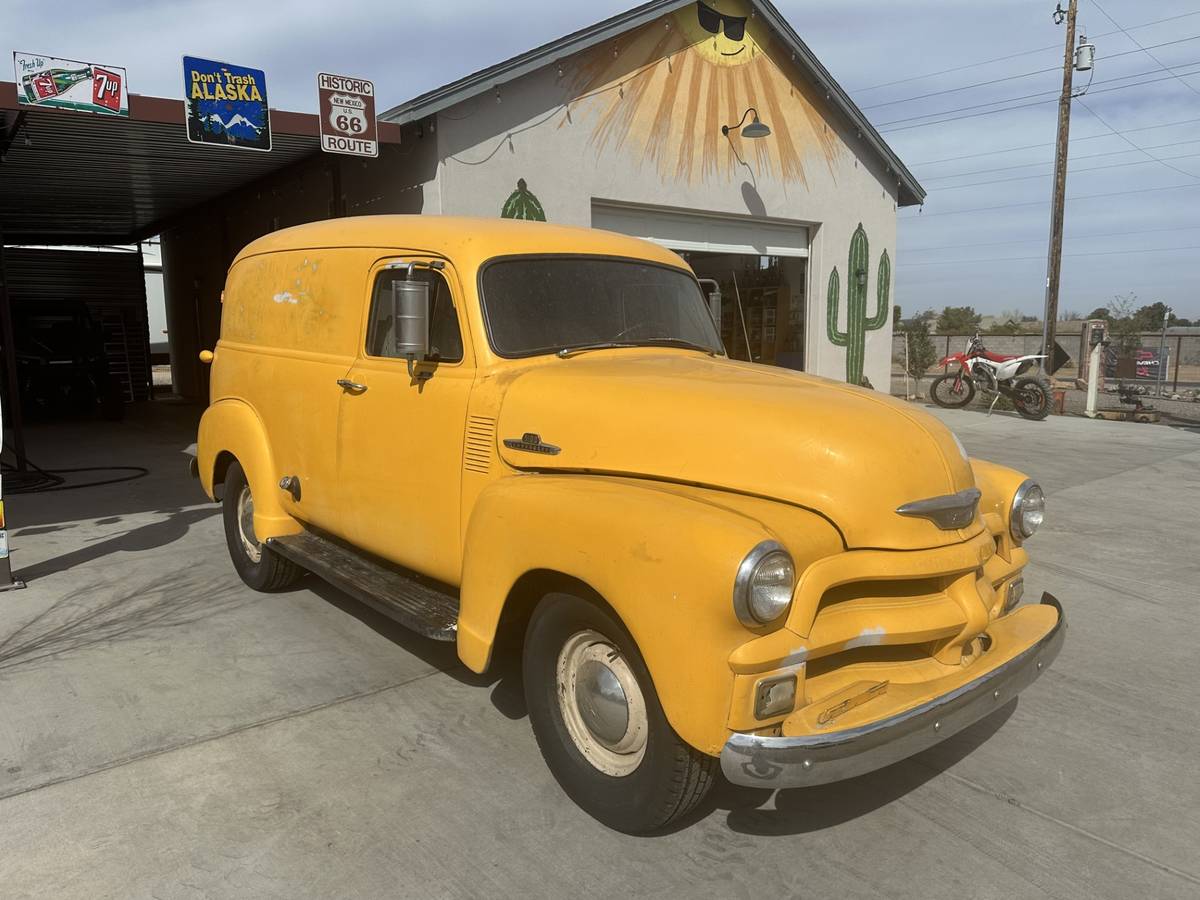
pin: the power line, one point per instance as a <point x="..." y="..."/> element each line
<point x="1105" y="123"/>
<point x="1080" y="172"/>
<point x="1050" y="162"/>
<point x="955" y="212"/>
<point x="1143" y="49"/>
<point x="1040" y="72"/>
<point x="978" y="63"/>
<point x="964" y="262"/>
<point x="1092" y="137"/>
<point x="965" y="87"/>
<point x="1041" y="240"/>
<point x="883" y="126"/>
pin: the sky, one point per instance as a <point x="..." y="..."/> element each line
<point x="980" y="240"/>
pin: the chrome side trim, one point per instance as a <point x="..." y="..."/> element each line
<point x="947" y="512"/>
<point x="532" y="443"/>
<point x="785" y="762"/>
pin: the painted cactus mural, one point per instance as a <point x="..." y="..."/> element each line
<point x="854" y="338"/>
<point x="522" y="204"/>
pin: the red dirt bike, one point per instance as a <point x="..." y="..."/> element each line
<point x="977" y="368"/>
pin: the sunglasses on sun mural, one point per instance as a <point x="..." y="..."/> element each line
<point x="711" y="21"/>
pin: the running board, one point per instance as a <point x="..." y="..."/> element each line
<point x="414" y="604"/>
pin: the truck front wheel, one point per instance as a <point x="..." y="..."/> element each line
<point x="260" y="567"/>
<point x="599" y="724"/>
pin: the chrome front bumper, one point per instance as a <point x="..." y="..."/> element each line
<point x="785" y="762"/>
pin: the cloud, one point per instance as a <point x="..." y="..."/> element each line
<point x="411" y="48"/>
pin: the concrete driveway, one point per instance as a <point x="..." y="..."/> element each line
<point x="165" y="732"/>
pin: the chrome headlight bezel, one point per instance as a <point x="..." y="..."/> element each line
<point x="743" y="585"/>
<point x="1029" y="492"/>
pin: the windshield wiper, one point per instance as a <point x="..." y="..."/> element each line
<point x="599" y="345"/>
<point x="646" y="342"/>
<point x="678" y="342"/>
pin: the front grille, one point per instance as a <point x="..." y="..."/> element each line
<point x="881" y="631"/>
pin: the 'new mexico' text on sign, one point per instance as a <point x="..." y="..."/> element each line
<point x="347" y="114"/>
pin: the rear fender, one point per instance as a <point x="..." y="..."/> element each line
<point x="231" y="426"/>
<point x="663" y="561"/>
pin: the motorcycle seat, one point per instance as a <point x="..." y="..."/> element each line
<point x="996" y="357"/>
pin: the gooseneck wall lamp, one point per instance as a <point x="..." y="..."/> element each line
<point x="756" y="129"/>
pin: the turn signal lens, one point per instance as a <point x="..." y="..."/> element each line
<point x="774" y="696"/>
<point x="1016" y="590"/>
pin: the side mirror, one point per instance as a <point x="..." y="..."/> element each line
<point x="714" y="299"/>
<point x="410" y="318"/>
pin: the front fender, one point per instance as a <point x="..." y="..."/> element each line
<point x="664" y="562"/>
<point x="231" y="426"/>
<point x="998" y="485"/>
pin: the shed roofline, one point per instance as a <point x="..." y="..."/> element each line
<point x="427" y="104"/>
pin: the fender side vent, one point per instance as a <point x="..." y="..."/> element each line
<point x="480" y="441"/>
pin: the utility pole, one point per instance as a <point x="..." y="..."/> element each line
<point x="1054" y="257"/>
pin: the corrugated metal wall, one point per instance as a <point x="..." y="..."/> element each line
<point x="112" y="286"/>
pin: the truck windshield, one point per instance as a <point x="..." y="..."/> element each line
<point x="538" y="305"/>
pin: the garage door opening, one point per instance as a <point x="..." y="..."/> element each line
<point x="762" y="304"/>
<point x="760" y="264"/>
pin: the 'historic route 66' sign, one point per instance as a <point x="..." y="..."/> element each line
<point x="347" y="115"/>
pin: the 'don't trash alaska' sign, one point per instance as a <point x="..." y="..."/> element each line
<point x="226" y="104"/>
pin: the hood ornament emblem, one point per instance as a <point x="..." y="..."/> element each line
<point x="531" y="443"/>
<point x="947" y="512"/>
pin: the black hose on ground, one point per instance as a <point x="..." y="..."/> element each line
<point x="43" y="481"/>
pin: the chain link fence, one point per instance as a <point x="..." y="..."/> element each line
<point x="1173" y="363"/>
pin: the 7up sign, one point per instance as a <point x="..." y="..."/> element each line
<point x="347" y="114"/>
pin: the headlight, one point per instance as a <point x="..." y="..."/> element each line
<point x="763" y="588"/>
<point x="1028" y="510"/>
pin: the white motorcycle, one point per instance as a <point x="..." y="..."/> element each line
<point x="991" y="373"/>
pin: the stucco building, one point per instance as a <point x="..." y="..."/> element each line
<point x="636" y="124"/>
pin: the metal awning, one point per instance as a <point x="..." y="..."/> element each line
<point x="81" y="178"/>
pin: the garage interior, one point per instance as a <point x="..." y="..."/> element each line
<point x="79" y="192"/>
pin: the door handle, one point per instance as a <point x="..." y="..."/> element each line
<point x="352" y="387"/>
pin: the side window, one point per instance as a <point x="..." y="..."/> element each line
<point x="445" y="340"/>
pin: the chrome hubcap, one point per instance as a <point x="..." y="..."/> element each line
<point x="245" y="517"/>
<point x="602" y="704"/>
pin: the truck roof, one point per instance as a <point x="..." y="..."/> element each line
<point x="463" y="239"/>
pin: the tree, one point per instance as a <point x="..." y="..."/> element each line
<point x="1123" y="327"/>
<point x="1100" y="312"/>
<point x="958" y="320"/>
<point x="1150" y="317"/>
<point x="921" y="352"/>
<point x="895" y="314"/>
<point x="1006" y="327"/>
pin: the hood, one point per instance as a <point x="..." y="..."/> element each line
<point x="851" y="454"/>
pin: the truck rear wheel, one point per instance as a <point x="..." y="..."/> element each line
<point x="259" y="566"/>
<point x="598" y="722"/>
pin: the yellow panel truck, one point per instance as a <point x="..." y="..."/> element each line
<point x="513" y="434"/>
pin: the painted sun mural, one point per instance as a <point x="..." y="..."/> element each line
<point x="667" y="88"/>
